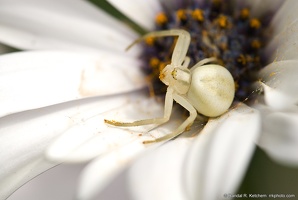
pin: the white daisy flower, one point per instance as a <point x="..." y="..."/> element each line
<point x="54" y="102"/>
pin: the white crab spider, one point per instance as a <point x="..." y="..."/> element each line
<point x="207" y="89"/>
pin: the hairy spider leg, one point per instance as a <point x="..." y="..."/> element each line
<point x="179" y="58"/>
<point x="159" y="121"/>
<point x="181" y="46"/>
<point x="186" y="62"/>
<point x="203" y="62"/>
<point x="188" y="122"/>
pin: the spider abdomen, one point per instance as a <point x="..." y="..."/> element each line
<point x="212" y="90"/>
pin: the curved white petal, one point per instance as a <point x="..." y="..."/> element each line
<point x="17" y="177"/>
<point x="221" y="153"/>
<point x="25" y="136"/>
<point x="282" y="78"/>
<point x="284" y="45"/>
<point x="66" y="24"/>
<point x="57" y="183"/>
<point x="279" y="138"/>
<point x="97" y="175"/>
<point x="115" y="146"/>
<point x="159" y="174"/>
<point x="92" y="137"/>
<point x="259" y="8"/>
<point x="139" y="11"/>
<point x="101" y="171"/>
<point x="36" y="79"/>
<point x="199" y="169"/>
<point x="278" y="100"/>
<point x="284" y="16"/>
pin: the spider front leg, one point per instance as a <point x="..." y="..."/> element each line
<point x="203" y="62"/>
<point x="188" y="122"/>
<point x="181" y="46"/>
<point x="186" y="62"/>
<point x="158" y="121"/>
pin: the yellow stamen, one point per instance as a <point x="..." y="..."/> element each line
<point x="255" y="23"/>
<point x="154" y="62"/>
<point x="244" y="13"/>
<point x="181" y="14"/>
<point x="242" y="59"/>
<point x="256" y="44"/>
<point x="162" y="65"/>
<point x="161" y="19"/>
<point x="236" y="85"/>
<point x="197" y="14"/>
<point x="222" y="21"/>
<point x="149" y="41"/>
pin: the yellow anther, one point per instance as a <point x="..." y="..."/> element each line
<point x="236" y="85"/>
<point x="244" y="13"/>
<point x="257" y="59"/>
<point x="222" y="21"/>
<point x="162" y="65"/>
<point x="149" y="41"/>
<point x="242" y="59"/>
<point x="256" y="44"/>
<point x="255" y="23"/>
<point x="198" y="14"/>
<point x="161" y="19"/>
<point x="154" y="62"/>
<point x="181" y="14"/>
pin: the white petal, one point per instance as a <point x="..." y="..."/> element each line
<point x="25" y="136"/>
<point x="280" y="138"/>
<point x="278" y="100"/>
<point x="259" y="8"/>
<point x="97" y="175"/>
<point x="72" y="25"/>
<point x="17" y="177"/>
<point x="284" y="45"/>
<point x="221" y="153"/>
<point x="159" y="173"/>
<point x="92" y="137"/>
<point x="57" y="183"/>
<point x="200" y="169"/>
<point x="284" y="16"/>
<point x="116" y="146"/>
<point x="36" y="79"/>
<point x="139" y="11"/>
<point x="105" y="168"/>
<point x="282" y="77"/>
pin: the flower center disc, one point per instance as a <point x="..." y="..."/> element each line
<point x="217" y="29"/>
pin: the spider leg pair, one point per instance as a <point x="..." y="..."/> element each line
<point x="179" y="61"/>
